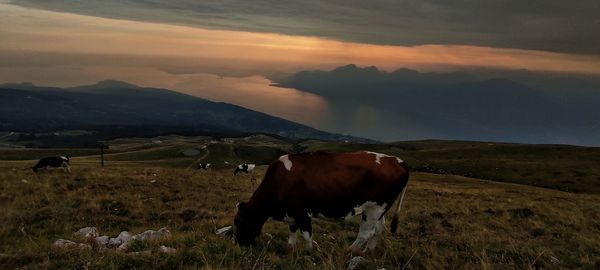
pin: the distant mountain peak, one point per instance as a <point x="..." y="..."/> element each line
<point x="105" y="85"/>
<point x="346" y="68"/>
<point x="115" y="84"/>
<point x="18" y="85"/>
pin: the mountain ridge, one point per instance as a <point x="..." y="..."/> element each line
<point x="506" y="106"/>
<point x="116" y="103"/>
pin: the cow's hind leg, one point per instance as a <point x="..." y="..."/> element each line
<point x="66" y="168"/>
<point x="377" y="230"/>
<point x="370" y="228"/>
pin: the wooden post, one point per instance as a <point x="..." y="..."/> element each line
<point x="102" y="147"/>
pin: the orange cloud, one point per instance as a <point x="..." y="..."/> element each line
<point x="46" y="31"/>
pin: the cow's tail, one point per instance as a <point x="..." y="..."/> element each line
<point x="394" y="223"/>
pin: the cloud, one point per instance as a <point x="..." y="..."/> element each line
<point x="549" y="25"/>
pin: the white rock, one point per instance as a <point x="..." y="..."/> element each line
<point x="87" y="232"/>
<point x="123" y="247"/>
<point x="167" y="250"/>
<point x="123" y="237"/>
<point x="101" y="241"/>
<point x="62" y="243"/>
<point x="150" y="235"/>
<point x="224" y="230"/>
<point x="357" y="262"/>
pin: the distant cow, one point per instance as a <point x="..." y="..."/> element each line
<point x="61" y="161"/>
<point x="203" y="166"/>
<point x="244" y="168"/>
<point x="339" y="186"/>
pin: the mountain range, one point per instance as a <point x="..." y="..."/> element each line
<point x="115" y="105"/>
<point x="511" y="106"/>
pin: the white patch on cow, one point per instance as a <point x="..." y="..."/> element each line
<point x="286" y="162"/>
<point x="64" y="158"/>
<point x="293" y="238"/>
<point x="308" y="238"/>
<point x="250" y="167"/>
<point x="370" y="227"/>
<point x="378" y="157"/>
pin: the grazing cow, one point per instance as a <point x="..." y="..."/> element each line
<point x="62" y="161"/>
<point x="203" y="166"/>
<point x="244" y="168"/>
<point x="299" y="186"/>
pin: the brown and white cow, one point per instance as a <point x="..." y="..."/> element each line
<point x="337" y="186"/>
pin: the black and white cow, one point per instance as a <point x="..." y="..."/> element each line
<point x="245" y="167"/>
<point x="204" y="166"/>
<point x="336" y="186"/>
<point x="55" y="162"/>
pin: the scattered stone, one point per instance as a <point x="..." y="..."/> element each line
<point x="101" y="241"/>
<point x="123" y="237"/>
<point x="24" y="181"/>
<point x="357" y="263"/>
<point x="87" y="232"/>
<point x="225" y="230"/>
<point x="153" y="181"/>
<point x="62" y="243"/>
<point x="150" y="235"/>
<point x="166" y="250"/>
<point x="122" y="241"/>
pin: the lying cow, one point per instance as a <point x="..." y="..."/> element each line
<point x="244" y="168"/>
<point x="203" y="166"/>
<point x="55" y="162"/>
<point x="300" y="186"/>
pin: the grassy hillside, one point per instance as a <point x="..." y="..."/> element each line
<point x="562" y="167"/>
<point x="447" y="222"/>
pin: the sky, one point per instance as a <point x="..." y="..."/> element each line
<point x="225" y="50"/>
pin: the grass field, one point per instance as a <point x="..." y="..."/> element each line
<point x="448" y="221"/>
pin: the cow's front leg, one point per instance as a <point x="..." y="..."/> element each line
<point x="304" y="224"/>
<point x="293" y="236"/>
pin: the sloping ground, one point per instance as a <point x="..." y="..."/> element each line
<point x="561" y="167"/>
<point x="447" y="222"/>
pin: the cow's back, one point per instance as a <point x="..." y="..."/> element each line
<point x="332" y="184"/>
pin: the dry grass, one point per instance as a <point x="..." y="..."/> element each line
<point x="448" y="222"/>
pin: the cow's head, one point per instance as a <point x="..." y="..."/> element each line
<point x="248" y="224"/>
